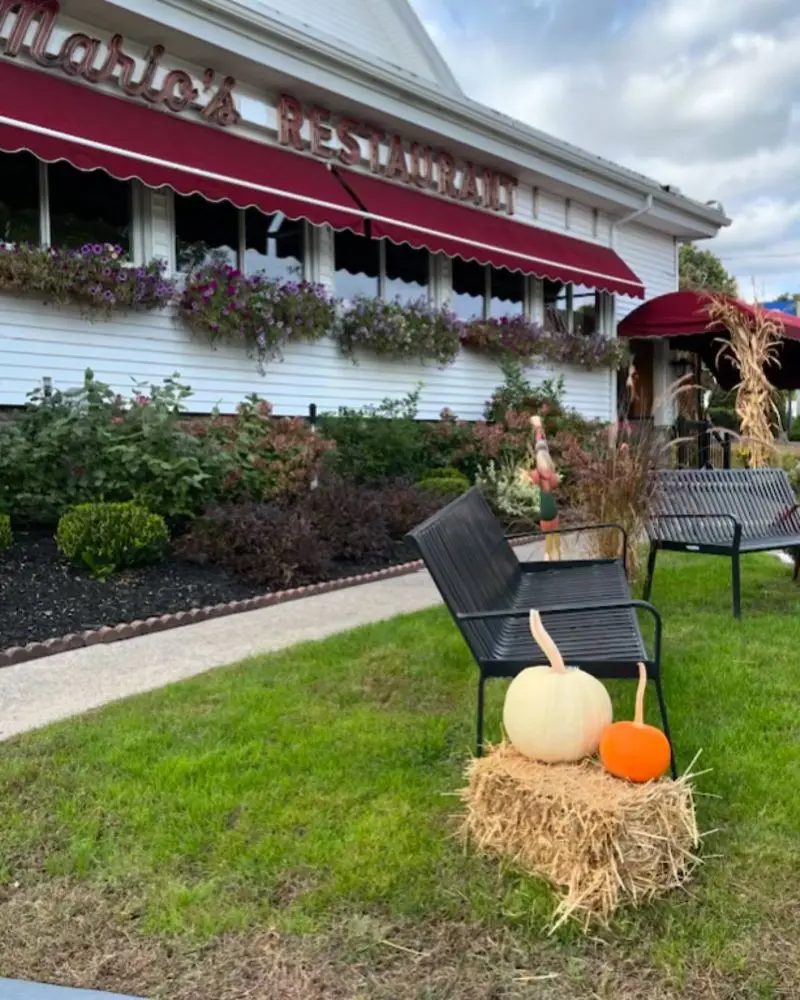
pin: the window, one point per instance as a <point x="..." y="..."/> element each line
<point x="206" y="232"/>
<point x="357" y="265"/>
<point x="88" y="207"/>
<point x="19" y="198"/>
<point x="77" y="206"/>
<point x="585" y="310"/>
<point x="571" y="308"/>
<point x="209" y="232"/>
<point x="469" y="289"/>
<point x="482" y="290"/>
<point x="379" y="268"/>
<point x="507" y="292"/>
<point x="274" y="245"/>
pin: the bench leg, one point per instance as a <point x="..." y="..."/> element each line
<point x="651" y="568"/>
<point x="479" y="743"/>
<point x="662" y="705"/>
<point x="737" y="587"/>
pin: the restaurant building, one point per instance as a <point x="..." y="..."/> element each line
<point x="327" y="141"/>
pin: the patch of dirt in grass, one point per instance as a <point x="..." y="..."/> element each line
<point x="75" y="936"/>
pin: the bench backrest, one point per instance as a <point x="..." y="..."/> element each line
<point x="466" y="552"/>
<point x="757" y="498"/>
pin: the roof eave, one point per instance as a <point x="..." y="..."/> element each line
<point x="459" y="110"/>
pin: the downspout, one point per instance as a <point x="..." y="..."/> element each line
<point x="647" y="207"/>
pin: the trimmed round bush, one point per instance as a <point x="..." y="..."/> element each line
<point x="445" y="481"/>
<point x="6" y="534"/>
<point x="107" y="537"/>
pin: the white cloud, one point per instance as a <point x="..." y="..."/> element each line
<point x="703" y="94"/>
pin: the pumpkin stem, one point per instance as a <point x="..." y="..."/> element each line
<point x="638" y="717"/>
<point x="546" y="644"/>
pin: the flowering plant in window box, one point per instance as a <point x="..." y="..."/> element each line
<point x="264" y="314"/>
<point x="99" y="278"/>
<point x="529" y="341"/>
<point x="413" y="330"/>
<point x="505" y="335"/>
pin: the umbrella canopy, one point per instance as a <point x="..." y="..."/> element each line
<point x="682" y="318"/>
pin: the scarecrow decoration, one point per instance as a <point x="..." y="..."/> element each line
<point x="544" y="476"/>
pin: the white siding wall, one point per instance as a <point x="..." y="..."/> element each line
<point x="652" y="256"/>
<point x="36" y="342"/>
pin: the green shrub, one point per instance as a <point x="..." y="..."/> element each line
<point x="378" y="443"/>
<point x="6" y="534"/>
<point x="723" y="417"/>
<point x="445" y="481"/>
<point x="88" y="444"/>
<point x="794" y="433"/>
<point x="263" y="457"/>
<point x="111" y="536"/>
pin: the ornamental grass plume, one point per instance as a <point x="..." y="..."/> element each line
<point x="753" y="346"/>
<point x="613" y="481"/>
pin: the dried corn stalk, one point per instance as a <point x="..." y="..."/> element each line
<point x="754" y="340"/>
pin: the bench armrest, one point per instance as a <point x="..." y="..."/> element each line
<point x="560" y="609"/>
<point x="576" y="530"/>
<point x="737" y="527"/>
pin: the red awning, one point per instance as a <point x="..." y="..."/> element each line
<point x="404" y="215"/>
<point x="57" y="120"/>
<point x="685" y="314"/>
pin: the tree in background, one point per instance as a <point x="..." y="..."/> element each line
<point x="702" y="270"/>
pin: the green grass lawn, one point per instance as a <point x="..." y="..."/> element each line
<point x="284" y="828"/>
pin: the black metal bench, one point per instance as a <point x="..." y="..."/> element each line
<point x="586" y="605"/>
<point x="722" y="512"/>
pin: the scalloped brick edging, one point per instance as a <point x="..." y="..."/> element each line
<point x="129" y="630"/>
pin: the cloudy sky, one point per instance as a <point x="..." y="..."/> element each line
<point x="702" y="94"/>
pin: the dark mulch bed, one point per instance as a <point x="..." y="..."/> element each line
<point x="42" y="596"/>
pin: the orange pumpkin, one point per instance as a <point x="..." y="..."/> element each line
<point x="633" y="750"/>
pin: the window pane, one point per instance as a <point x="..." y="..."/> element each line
<point x="508" y="292"/>
<point x="206" y="232"/>
<point x="88" y="207"/>
<point x="275" y="245"/>
<point x="585" y="305"/>
<point x="469" y="288"/>
<point x="19" y="198"/>
<point x="407" y="272"/>
<point x="556" y="315"/>
<point x="357" y="265"/>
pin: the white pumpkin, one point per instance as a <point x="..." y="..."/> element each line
<point x="555" y="714"/>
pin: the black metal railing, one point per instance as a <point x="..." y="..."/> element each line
<point x="697" y="444"/>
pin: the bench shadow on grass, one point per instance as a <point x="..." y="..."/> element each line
<point x="284" y="827"/>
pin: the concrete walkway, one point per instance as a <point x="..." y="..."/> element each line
<point x="57" y="687"/>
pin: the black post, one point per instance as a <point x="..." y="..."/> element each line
<point x="726" y="450"/>
<point x="312" y="419"/>
<point x="704" y="445"/>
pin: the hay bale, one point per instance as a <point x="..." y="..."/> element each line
<point x="601" y="841"/>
